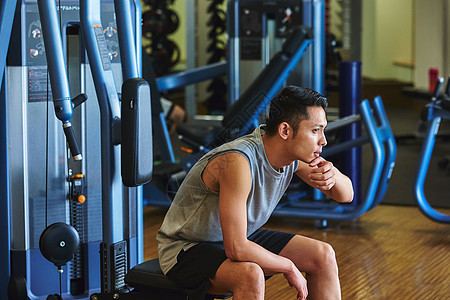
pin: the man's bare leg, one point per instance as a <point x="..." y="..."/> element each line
<point x="317" y="259"/>
<point x="244" y="279"/>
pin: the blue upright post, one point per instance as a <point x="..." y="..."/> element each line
<point x="314" y="16"/>
<point x="349" y="100"/>
<point x="319" y="45"/>
<point x="5" y="262"/>
<point x="7" y="9"/>
<point x="127" y="42"/>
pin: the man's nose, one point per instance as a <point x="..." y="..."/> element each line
<point x="323" y="141"/>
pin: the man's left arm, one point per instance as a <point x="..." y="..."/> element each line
<point x="322" y="175"/>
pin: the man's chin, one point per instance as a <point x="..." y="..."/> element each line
<point x="308" y="160"/>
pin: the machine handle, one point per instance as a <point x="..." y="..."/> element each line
<point x="70" y="136"/>
<point x="437" y="87"/>
<point x="447" y="88"/>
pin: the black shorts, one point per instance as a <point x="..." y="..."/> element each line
<point x="200" y="263"/>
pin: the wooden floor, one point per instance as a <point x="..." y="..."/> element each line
<point x="391" y="252"/>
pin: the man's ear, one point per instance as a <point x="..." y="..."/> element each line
<point x="284" y="130"/>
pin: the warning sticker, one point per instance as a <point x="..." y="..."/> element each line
<point x="103" y="49"/>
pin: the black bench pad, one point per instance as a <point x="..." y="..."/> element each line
<point x="149" y="275"/>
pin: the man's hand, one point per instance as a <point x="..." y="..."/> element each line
<point x="322" y="175"/>
<point x="296" y="280"/>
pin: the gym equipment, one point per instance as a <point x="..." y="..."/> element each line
<point x="26" y="115"/>
<point x="58" y="243"/>
<point x="434" y="112"/>
<point x="257" y="29"/>
<point x="103" y="211"/>
<point x="119" y="249"/>
<point x="6" y="23"/>
<point x="349" y="98"/>
<point x="158" y="23"/>
<point x="216" y="101"/>
<point x="148" y="279"/>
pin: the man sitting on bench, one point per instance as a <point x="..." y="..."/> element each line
<point x="211" y="240"/>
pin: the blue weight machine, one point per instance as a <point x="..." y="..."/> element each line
<point x="434" y="112"/>
<point x="114" y="140"/>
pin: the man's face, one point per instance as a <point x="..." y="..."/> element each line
<point x="310" y="138"/>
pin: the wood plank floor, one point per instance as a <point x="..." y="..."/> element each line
<point x="391" y="252"/>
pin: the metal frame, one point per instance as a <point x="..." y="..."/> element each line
<point x="7" y="10"/>
<point x="435" y="114"/>
<point x="313" y="16"/>
<point x="116" y="225"/>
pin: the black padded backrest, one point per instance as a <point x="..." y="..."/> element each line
<point x="137" y="141"/>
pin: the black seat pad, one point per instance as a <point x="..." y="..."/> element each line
<point x="149" y="274"/>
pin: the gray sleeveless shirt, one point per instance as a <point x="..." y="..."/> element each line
<point x="193" y="216"/>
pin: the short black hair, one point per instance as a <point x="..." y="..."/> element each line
<point x="291" y="106"/>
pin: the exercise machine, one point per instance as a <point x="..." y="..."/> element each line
<point x="258" y="29"/>
<point x="114" y="140"/>
<point x="434" y="112"/>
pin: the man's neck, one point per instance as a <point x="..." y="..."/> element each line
<point x="274" y="152"/>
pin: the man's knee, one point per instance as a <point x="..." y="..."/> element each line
<point x="240" y="278"/>
<point x="325" y="256"/>
<point x="252" y="275"/>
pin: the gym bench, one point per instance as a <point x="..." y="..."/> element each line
<point x="147" y="278"/>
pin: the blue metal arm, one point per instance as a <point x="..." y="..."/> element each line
<point x="436" y="114"/>
<point x="110" y="112"/>
<point x="57" y="71"/>
<point x="191" y="76"/>
<point x="127" y="42"/>
<point x="387" y="136"/>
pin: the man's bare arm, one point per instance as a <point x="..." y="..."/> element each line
<point x="321" y="174"/>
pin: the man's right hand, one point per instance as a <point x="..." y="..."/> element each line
<point x="296" y="280"/>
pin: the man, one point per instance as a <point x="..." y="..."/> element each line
<point x="211" y="241"/>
